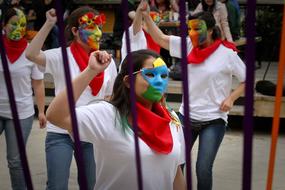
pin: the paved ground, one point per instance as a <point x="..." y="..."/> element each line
<point x="227" y="169"/>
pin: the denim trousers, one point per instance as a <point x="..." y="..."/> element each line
<point x="59" y="151"/>
<point x="13" y="156"/>
<point x="210" y="139"/>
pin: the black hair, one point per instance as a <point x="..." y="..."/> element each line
<point x="206" y="7"/>
<point x="73" y="21"/>
<point x="210" y="22"/>
<point x="121" y="93"/>
<point x="9" y="13"/>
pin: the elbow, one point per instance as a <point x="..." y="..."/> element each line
<point x="30" y="56"/>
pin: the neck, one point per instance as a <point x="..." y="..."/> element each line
<point x="207" y="43"/>
<point x="84" y="46"/>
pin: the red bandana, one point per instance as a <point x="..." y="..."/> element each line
<point x="197" y="55"/>
<point x="14" y="49"/>
<point x="81" y="57"/>
<point x="154" y="128"/>
<point x="151" y="44"/>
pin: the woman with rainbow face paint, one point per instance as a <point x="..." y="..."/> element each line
<point x="212" y="63"/>
<point x="108" y="125"/>
<point x="83" y="32"/>
<point x="26" y="79"/>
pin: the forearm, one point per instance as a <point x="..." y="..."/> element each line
<point x="137" y="23"/>
<point x="58" y="111"/>
<point x="33" y="51"/>
<point x="157" y="35"/>
<point x="236" y="93"/>
<point x="179" y="181"/>
<point x="39" y="91"/>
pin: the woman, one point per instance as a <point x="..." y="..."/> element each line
<point x="212" y="63"/>
<point x="109" y="126"/>
<point x="220" y="13"/>
<point x="83" y="31"/>
<point x="25" y="76"/>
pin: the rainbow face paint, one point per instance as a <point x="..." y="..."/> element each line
<point x="197" y="32"/>
<point x="18" y="27"/>
<point x="157" y="79"/>
<point x="89" y="30"/>
<point x="155" y="16"/>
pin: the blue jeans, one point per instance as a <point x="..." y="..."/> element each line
<point x="59" y="151"/>
<point x="13" y="156"/>
<point x="210" y="139"/>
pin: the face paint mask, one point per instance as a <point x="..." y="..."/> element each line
<point x="197" y="32"/>
<point x="157" y="79"/>
<point x="155" y="16"/>
<point x="89" y="31"/>
<point x="18" y="28"/>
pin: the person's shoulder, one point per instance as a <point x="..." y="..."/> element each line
<point x="220" y="5"/>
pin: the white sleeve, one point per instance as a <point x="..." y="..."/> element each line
<point x="95" y="121"/>
<point x="182" y="146"/>
<point x="36" y="73"/>
<point x="238" y="67"/>
<point x="175" y="46"/>
<point x="137" y="42"/>
<point x="112" y="71"/>
<point x="54" y="62"/>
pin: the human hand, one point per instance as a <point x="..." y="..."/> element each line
<point x="143" y="7"/>
<point x="42" y="120"/>
<point x="99" y="61"/>
<point x="51" y="16"/>
<point x="227" y="104"/>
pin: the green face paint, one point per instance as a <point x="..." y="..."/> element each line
<point x="18" y="27"/>
<point x="152" y="94"/>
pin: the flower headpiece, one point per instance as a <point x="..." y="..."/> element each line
<point x="90" y="19"/>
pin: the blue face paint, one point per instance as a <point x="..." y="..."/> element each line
<point x="157" y="77"/>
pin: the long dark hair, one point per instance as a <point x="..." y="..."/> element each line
<point x="73" y="21"/>
<point x="9" y="13"/>
<point x="210" y="22"/>
<point x="206" y="7"/>
<point x="121" y="93"/>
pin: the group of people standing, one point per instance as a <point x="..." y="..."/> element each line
<point x="103" y="103"/>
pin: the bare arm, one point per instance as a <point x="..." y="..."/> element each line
<point x="157" y="35"/>
<point x="228" y="103"/>
<point x="58" y="111"/>
<point x="179" y="181"/>
<point x="39" y="91"/>
<point x="137" y="23"/>
<point x="33" y="52"/>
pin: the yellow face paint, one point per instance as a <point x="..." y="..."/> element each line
<point x="17" y="26"/>
<point x="89" y="30"/>
<point x="197" y="30"/>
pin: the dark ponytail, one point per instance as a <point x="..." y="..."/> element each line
<point x="216" y="33"/>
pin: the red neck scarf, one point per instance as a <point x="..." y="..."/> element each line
<point x="154" y="128"/>
<point x="14" y="49"/>
<point x="81" y="58"/>
<point x="197" y="55"/>
<point x="151" y="44"/>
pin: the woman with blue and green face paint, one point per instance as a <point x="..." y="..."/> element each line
<point x="83" y="33"/>
<point x="26" y="78"/>
<point x="108" y="125"/>
<point x="212" y="63"/>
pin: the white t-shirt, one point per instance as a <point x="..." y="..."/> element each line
<point x="137" y="42"/>
<point x="114" y="151"/>
<point x="209" y="82"/>
<point x="54" y="66"/>
<point x="22" y="72"/>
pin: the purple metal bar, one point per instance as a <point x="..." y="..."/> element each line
<point x="124" y="6"/>
<point x="248" y="115"/>
<point x="20" y="140"/>
<point x="184" y="62"/>
<point x="78" y="151"/>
